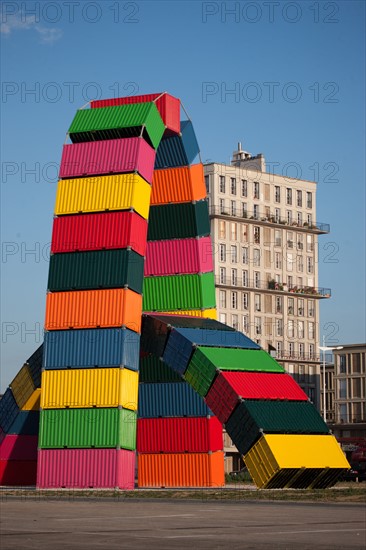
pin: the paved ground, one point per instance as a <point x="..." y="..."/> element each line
<point x="136" y="524"/>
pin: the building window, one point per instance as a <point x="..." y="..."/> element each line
<point x="309" y="243"/>
<point x="311" y="351"/>
<point x="244" y="210"/>
<point x="289" y="196"/>
<point x="244" y="233"/>
<point x="222" y="229"/>
<point x="258" y="325"/>
<point x="278" y="260"/>
<point x="245" y="323"/>
<point x="299" y="218"/>
<point x="311" y="330"/>
<point x="244" y="188"/>
<point x="300" y="329"/>
<point x="278" y="304"/>
<point x="302" y="350"/>
<point x="235" y="322"/>
<point x="257" y="279"/>
<point x="300" y="307"/>
<point x="309" y="220"/>
<point x="256" y="211"/>
<point x="300" y="263"/>
<point x="290" y="261"/>
<point x="222" y="184"/>
<point x="277" y="194"/>
<point x="356" y="363"/>
<point x="234" y="233"/>
<point x="279" y="327"/>
<point x="222" y="298"/>
<point x="234" y="254"/>
<point x="234" y="300"/>
<point x="233" y="186"/>
<point x="342" y="364"/>
<point x="278" y="240"/>
<point x="257" y="302"/>
<point x="301" y="373"/>
<point x="343" y="412"/>
<point x="291" y="349"/>
<point x="300" y="241"/>
<point x="290" y="281"/>
<point x="207" y="183"/>
<point x="222" y="318"/>
<point x="309" y="264"/>
<point x="245" y="300"/>
<point x="234" y="277"/>
<point x="222" y="275"/>
<point x="289" y="217"/>
<point x="256" y="257"/>
<point x="222" y="206"/>
<point x="290" y="306"/>
<point x="309" y="200"/>
<point x="290" y="239"/>
<point x="244" y="255"/>
<point x="256" y="189"/>
<point x="299" y="199"/>
<point x="245" y="277"/>
<point x="290" y="328"/>
<point x="343" y="389"/>
<point x="222" y="252"/>
<point x="277" y="215"/>
<point x="279" y="349"/>
<point x="257" y="234"/>
<point x="233" y="208"/>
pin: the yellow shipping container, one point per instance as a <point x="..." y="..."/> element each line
<point x="206" y="313"/>
<point x="33" y="402"/>
<point x="296" y="461"/>
<point x="22" y="386"/>
<point x="85" y="388"/>
<point x="100" y="193"/>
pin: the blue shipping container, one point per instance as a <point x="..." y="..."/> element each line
<point x="178" y="351"/>
<point x="171" y="399"/>
<point x="8" y="410"/>
<point x="106" y="347"/>
<point x="35" y="366"/>
<point x="26" y="423"/>
<point x="215" y="338"/>
<point x="179" y="150"/>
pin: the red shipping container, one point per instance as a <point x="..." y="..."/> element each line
<point x="18" y="472"/>
<point x="99" y="231"/>
<point x="86" y="468"/>
<point x="229" y="387"/>
<point x="19" y="447"/>
<point x="179" y="435"/>
<point x="110" y="156"/>
<point x="167" y="105"/>
<point x="178" y="256"/>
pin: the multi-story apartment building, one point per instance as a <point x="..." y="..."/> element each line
<point x="265" y="239"/>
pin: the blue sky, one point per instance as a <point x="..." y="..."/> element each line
<point x="296" y="71"/>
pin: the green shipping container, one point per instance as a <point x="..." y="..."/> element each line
<point x="96" y="269"/>
<point x="201" y="372"/>
<point x="253" y="418"/>
<point x="178" y="221"/>
<point x="236" y="359"/>
<point x="179" y="292"/>
<point x="77" y="428"/>
<point x="118" y="122"/>
<point x="152" y="369"/>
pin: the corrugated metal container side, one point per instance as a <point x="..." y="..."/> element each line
<point x="108" y="347"/>
<point x="25" y="423"/>
<point x="179" y="321"/>
<point x="200" y="373"/>
<point x="93" y="308"/>
<point x="152" y="369"/>
<point x="96" y="269"/>
<point x="179" y="435"/>
<point x="116" y="122"/>
<point x="103" y="193"/>
<point x="113" y="156"/>
<point x="274" y="455"/>
<point x="170" y="399"/>
<point x="179" y="292"/>
<point x="217" y="338"/>
<point x="252" y="418"/>
<point x="78" y="428"/>
<point x="35" y="365"/>
<point x="179" y="256"/>
<point x="178" y="221"/>
<point x="86" y="468"/>
<point x="8" y="410"/>
<point x="209" y="313"/>
<point x="176" y="185"/>
<point x="154" y="335"/>
<point x="87" y="388"/>
<point x="19" y="447"/>
<point x="181" y="470"/>
<point x="241" y="359"/>
<point x="228" y="387"/>
<point x="168" y="106"/>
<point x="33" y="403"/>
<point x="178" y="352"/>
<point x="178" y="150"/>
<point x="99" y="231"/>
<point x="22" y="386"/>
<point x="18" y="472"/>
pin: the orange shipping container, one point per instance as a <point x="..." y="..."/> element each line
<point x="93" y="308"/>
<point x="173" y="185"/>
<point x="181" y="470"/>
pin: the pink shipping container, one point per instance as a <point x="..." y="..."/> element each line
<point x="168" y="106"/>
<point x="111" y="156"/>
<point x="19" y="447"/>
<point x="178" y="256"/>
<point x="229" y="387"/>
<point x="99" y="231"/>
<point x="179" y="435"/>
<point x="86" y="468"/>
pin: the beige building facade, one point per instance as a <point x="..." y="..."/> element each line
<point x="265" y="239"/>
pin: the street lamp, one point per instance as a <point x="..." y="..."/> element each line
<point x="325" y="348"/>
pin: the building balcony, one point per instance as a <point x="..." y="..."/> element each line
<point x="274" y="287"/>
<point x="304" y="357"/>
<point x="268" y="219"/>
